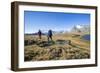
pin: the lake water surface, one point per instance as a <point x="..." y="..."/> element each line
<point x="86" y="37"/>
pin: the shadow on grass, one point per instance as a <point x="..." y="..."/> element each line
<point x="46" y="43"/>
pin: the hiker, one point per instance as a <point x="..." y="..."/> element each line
<point x="49" y="35"/>
<point x="39" y="33"/>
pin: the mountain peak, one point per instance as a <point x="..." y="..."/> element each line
<point x="78" y="26"/>
<point x="81" y="29"/>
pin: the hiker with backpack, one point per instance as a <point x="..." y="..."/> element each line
<point x="49" y="36"/>
<point x="39" y="34"/>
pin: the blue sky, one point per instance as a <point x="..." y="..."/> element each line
<point x="57" y="21"/>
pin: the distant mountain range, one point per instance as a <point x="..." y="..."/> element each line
<point x="74" y="29"/>
<point x="46" y="32"/>
<point x="81" y="29"/>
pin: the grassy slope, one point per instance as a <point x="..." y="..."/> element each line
<point x="37" y="51"/>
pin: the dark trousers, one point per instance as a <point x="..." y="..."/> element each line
<point x="49" y="38"/>
<point x="39" y="36"/>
